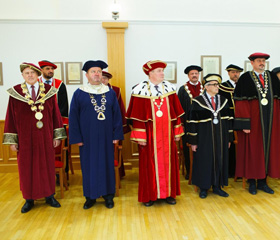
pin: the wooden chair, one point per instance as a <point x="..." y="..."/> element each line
<point x="181" y="156"/>
<point x="117" y="164"/>
<point x="236" y="142"/>
<point x="60" y="158"/>
<point x="70" y="163"/>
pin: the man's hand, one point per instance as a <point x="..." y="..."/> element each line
<point x="14" y="147"/>
<point x="80" y="144"/>
<point x="229" y="144"/>
<point x="246" y="130"/>
<point x="194" y="147"/>
<point x="177" y="139"/>
<point x="115" y="141"/>
<point x="142" y="143"/>
<point x="56" y="143"/>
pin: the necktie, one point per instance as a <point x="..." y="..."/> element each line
<point x="261" y="79"/>
<point x="48" y="82"/>
<point x="156" y="87"/>
<point x="213" y="103"/>
<point x="33" y="94"/>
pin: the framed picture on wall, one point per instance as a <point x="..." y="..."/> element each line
<point x="59" y="72"/>
<point x="211" y="64"/>
<point x="248" y="66"/>
<point x="170" y="72"/>
<point x="74" y="73"/>
<point x="1" y="74"/>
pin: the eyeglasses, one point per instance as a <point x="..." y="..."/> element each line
<point x="213" y="84"/>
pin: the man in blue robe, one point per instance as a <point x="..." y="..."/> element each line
<point x="95" y="124"/>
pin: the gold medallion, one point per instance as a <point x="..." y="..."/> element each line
<point x="159" y="113"/>
<point x="39" y="124"/>
<point x="101" y="116"/>
<point x="38" y="115"/>
<point x="264" y="101"/>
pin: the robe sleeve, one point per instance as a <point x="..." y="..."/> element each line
<point x="59" y="131"/>
<point x="10" y="131"/>
<point x="63" y="103"/>
<point x="138" y="133"/>
<point x="117" y="120"/>
<point x="192" y="126"/>
<point x="182" y="99"/>
<point x="178" y="129"/>
<point x="75" y="135"/>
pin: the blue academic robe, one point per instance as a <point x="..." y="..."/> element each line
<point x="97" y="153"/>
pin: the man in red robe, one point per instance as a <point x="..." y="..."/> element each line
<point x="33" y="128"/>
<point x="106" y="76"/>
<point x="155" y="112"/>
<point x="257" y="113"/>
<point x="47" y="69"/>
<point x="191" y="89"/>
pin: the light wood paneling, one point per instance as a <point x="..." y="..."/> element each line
<point x="8" y="159"/>
<point x="116" y="58"/>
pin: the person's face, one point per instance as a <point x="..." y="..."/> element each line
<point x="105" y="80"/>
<point x="157" y="75"/>
<point x="30" y="76"/>
<point x="278" y="75"/>
<point x="258" y="64"/>
<point x="94" y="75"/>
<point x="234" y="75"/>
<point x="48" y="72"/>
<point x="212" y="88"/>
<point x="193" y="76"/>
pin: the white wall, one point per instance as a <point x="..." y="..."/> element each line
<point x="178" y="30"/>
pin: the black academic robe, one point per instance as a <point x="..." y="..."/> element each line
<point x="226" y="90"/>
<point x="210" y="161"/>
<point x="185" y="95"/>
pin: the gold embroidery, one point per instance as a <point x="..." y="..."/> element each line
<point x="10" y="138"/>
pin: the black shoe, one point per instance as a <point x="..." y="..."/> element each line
<point x="170" y="200"/>
<point x="220" y="192"/>
<point x="53" y="202"/>
<point x="109" y="203"/>
<point x="253" y="189"/>
<point x="187" y="176"/>
<point x="148" y="204"/>
<point x="89" y="203"/>
<point x="266" y="189"/>
<point x="27" y="206"/>
<point x="203" y="194"/>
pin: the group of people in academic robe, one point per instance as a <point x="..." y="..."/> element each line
<point x="250" y="106"/>
<point x="158" y="118"/>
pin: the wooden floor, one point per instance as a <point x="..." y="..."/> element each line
<point x="240" y="216"/>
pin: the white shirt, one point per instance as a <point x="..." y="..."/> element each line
<point x="209" y="97"/>
<point x="44" y="81"/>
<point x="153" y="89"/>
<point x="193" y="83"/>
<point x="232" y="83"/>
<point x="36" y="87"/>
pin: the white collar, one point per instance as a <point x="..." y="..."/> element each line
<point x="232" y="83"/>
<point x="194" y="84"/>
<point x="95" y="89"/>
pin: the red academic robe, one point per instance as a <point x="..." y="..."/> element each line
<point x="61" y="98"/>
<point x="158" y="160"/>
<point x="250" y="159"/>
<point x="117" y="90"/>
<point x="36" y="152"/>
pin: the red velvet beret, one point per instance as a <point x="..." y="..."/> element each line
<point x="45" y="63"/>
<point x="30" y="65"/>
<point x="151" y="65"/>
<point x="106" y="74"/>
<point x="253" y="56"/>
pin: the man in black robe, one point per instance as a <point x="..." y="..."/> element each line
<point x="186" y="93"/>
<point x="226" y="90"/>
<point x="210" y="133"/>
